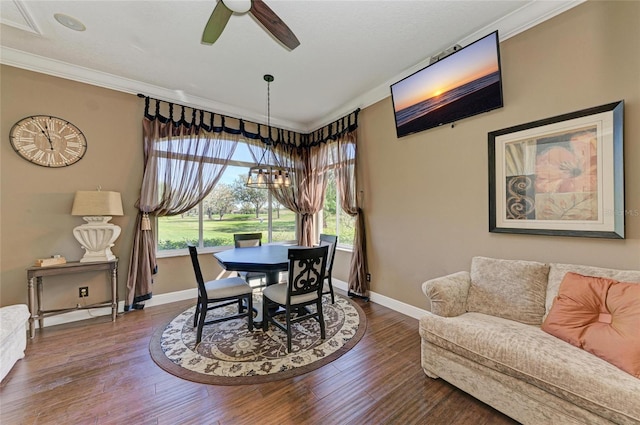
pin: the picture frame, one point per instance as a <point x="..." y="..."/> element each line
<point x="560" y="176"/>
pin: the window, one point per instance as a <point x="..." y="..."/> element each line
<point x="230" y="208"/>
<point x="334" y="220"/>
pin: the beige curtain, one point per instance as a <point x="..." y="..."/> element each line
<point x="343" y="158"/>
<point x="331" y="147"/>
<point x="310" y="164"/>
<point x="183" y="162"/>
<point x="310" y="185"/>
<point x="305" y="195"/>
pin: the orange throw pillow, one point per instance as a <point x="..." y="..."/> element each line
<point x="601" y="316"/>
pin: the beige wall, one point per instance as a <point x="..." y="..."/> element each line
<point x="426" y="195"/>
<point x="36" y="201"/>
<point x="582" y="58"/>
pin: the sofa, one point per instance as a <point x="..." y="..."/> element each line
<point x="484" y="335"/>
<point x="13" y="336"/>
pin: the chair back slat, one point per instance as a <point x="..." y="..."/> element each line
<point x="307" y="267"/>
<point x="330" y="241"/>
<point x="244" y="240"/>
<point x="193" y="252"/>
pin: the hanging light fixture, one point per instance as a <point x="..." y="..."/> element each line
<point x="268" y="172"/>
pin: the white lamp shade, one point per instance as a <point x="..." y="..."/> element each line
<point x="97" y="202"/>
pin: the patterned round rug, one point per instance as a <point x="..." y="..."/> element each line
<point x="231" y="355"/>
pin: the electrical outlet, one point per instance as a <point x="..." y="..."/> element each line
<point x="368" y="277"/>
<point x="83" y="291"/>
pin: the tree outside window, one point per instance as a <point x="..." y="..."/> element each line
<point x="230" y="208"/>
<point x="334" y="220"/>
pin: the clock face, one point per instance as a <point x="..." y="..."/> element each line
<point x="48" y="141"/>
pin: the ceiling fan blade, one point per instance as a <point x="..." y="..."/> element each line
<point x="217" y="21"/>
<point x="273" y="24"/>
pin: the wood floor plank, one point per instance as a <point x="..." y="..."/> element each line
<point x="338" y="408"/>
<point x="99" y="372"/>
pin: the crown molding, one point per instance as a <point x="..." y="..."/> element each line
<point x="56" y="68"/>
<point x="508" y="26"/>
<point x="518" y="21"/>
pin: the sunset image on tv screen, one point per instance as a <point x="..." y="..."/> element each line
<point x="463" y="84"/>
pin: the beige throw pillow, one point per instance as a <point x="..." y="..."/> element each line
<point x="511" y="289"/>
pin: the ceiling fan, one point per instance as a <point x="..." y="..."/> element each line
<point x="271" y="22"/>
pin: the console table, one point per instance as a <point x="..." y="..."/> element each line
<point x="35" y="299"/>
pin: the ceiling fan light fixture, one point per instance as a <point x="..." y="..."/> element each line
<point x="238" y="6"/>
<point x="259" y="10"/>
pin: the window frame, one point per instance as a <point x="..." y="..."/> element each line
<point x="166" y="253"/>
<point x="339" y="212"/>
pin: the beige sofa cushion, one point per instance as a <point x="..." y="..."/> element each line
<point x="527" y="353"/>
<point x="511" y="289"/>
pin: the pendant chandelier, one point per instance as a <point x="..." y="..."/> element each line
<point x="268" y="172"/>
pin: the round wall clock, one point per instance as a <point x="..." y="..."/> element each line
<point x="48" y="141"/>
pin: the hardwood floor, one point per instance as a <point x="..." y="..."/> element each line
<point x="99" y="372"/>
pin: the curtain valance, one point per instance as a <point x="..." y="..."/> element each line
<point x="184" y="116"/>
<point x="332" y="131"/>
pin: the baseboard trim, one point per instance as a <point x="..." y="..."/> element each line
<point x="74" y="316"/>
<point x="393" y="304"/>
<point x="399" y="306"/>
<point x="160" y="299"/>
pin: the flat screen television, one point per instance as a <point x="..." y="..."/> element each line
<point x="466" y="83"/>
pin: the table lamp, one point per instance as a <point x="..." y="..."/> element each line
<point x="97" y="235"/>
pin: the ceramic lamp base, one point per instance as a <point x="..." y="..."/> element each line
<point x="97" y="237"/>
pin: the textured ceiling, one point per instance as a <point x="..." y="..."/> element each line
<point x="350" y="51"/>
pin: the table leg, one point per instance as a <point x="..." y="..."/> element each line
<point x="114" y="293"/>
<point x="272" y="277"/>
<point x="32" y="300"/>
<point x="39" y="298"/>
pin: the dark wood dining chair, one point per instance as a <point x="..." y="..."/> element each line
<point x="330" y="241"/>
<point x="220" y="293"/>
<point x="307" y="267"/>
<point x="244" y="240"/>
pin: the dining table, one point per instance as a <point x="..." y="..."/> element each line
<point x="270" y="259"/>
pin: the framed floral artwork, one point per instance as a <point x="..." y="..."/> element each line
<point x="560" y="176"/>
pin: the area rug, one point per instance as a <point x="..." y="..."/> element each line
<point x="231" y="355"/>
